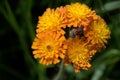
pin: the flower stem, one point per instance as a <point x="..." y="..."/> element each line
<point x="57" y="77"/>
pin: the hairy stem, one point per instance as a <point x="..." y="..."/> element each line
<point x="57" y="77"/>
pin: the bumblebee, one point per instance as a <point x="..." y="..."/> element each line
<point x="77" y="31"/>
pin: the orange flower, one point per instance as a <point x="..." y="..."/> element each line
<point x="89" y="34"/>
<point x="78" y="54"/>
<point x="79" y="14"/>
<point x="51" y="19"/>
<point x="97" y="34"/>
<point x="49" y="47"/>
<point x="63" y="14"/>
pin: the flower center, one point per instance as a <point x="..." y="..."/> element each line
<point x="49" y="48"/>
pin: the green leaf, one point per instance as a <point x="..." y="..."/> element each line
<point x="99" y="72"/>
<point x="112" y="6"/>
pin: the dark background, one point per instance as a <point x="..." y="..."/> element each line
<point x="18" y="20"/>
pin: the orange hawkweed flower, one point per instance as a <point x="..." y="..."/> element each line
<point x="74" y="33"/>
<point x="49" y="47"/>
<point x="97" y="34"/>
<point x="78" y="54"/>
<point x="63" y="15"/>
<point x="51" y="19"/>
<point x="79" y="14"/>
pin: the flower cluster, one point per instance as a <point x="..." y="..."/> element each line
<point x="73" y="32"/>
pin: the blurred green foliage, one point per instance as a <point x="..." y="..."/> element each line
<point x="18" y="20"/>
